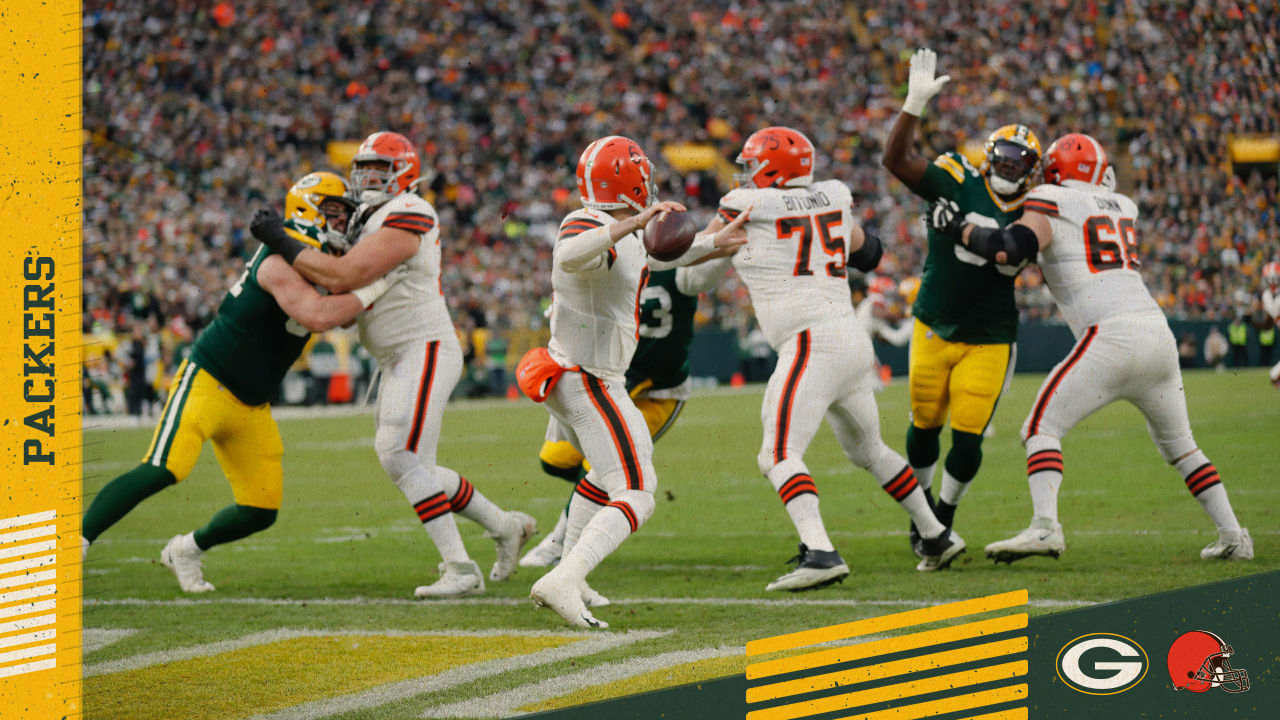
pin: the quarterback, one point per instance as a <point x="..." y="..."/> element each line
<point x="221" y="392"/>
<point x="965" y="319"/>
<point x="1271" y="306"/>
<point x="600" y="268"/>
<point x="800" y="237"/>
<point x="657" y="381"/>
<point x="1083" y="235"/>
<point x="411" y="335"/>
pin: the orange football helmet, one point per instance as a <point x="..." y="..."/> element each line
<point x="384" y="166"/>
<point x="776" y="157"/>
<point x="615" y="174"/>
<point x="1076" y="156"/>
<point x="1271" y="275"/>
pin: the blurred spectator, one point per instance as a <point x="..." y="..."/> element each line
<point x="1238" y="333"/>
<point x="501" y="95"/>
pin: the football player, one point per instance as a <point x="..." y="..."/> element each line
<point x="221" y="393"/>
<point x="1271" y="306"/>
<point x="657" y="381"/>
<point x="962" y="346"/>
<point x="1085" y="236"/>
<point x="599" y="272"/>
<point x="801" y="235"/>
<point x="412" y="337"/>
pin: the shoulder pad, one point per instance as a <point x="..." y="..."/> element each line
<point x="1044" y="199"/>
<point x="580" y="221"/>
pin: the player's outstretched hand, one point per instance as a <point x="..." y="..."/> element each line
<point x="945" y="217"/>
<point x="729" y="238"/>
<point x="268" y="227"/>
<point x="921" y="83"/>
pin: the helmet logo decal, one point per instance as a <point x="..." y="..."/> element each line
<point x="1199" y="661"/>
<point x="1102" y="664"/>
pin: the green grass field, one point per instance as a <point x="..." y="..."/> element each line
<point x="319" y="608"/>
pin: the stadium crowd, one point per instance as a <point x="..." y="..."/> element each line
<point x="198" y="113"/>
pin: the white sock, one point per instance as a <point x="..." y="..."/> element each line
<point x="808" y="521"/>
<point x="187" y="544"/>
<point x="583" y="506"/>
<point x="434" y="511"/>
<point x="799" y="496"/>
<point x="898" y="480"/>
<point x="469" y="502"/>
<point x="924" y="475"/>
<point x="1044" y="477"/>
<point x="599" y="538"/>
<point x="1203" y="482"/>
<point x="952" y="489"/>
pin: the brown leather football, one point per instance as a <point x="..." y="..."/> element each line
<point x="670" y="237"/>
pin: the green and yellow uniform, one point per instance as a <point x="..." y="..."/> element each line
<point x="221" y="393"/>
<point x="965" y="317"/>
<point x="660" y="366"/>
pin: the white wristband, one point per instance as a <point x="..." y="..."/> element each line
<point x="371" y="292"/>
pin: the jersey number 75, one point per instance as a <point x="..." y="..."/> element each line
<point x="807" y="226"/>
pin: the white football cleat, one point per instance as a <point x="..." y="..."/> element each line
<point x="519" y="528"/>
<point x="182" y="556"/>
<point x="591" y="598"/>
<point x="546" y="553"/>
<point x="1035" y="540"/>
<point x="940" y="551"/>
<point x="1230" y="546"/>
<point x="814" y="569"/>
<point x="457" y="579"/>
<point x="564" y="597"/>
<point x="84" y="548"/>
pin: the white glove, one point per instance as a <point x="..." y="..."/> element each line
<point x="921" y="84"/>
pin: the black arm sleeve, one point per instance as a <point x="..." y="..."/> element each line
<point x="1017" y="242"/>
<point x="867" y="257"/>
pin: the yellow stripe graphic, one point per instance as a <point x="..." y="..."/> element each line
<point x="946" y="705"/>
<point x="873" y="648"/>
<point x="881" y="671"/>
<point x="886" y="622"/>
<point x="940" y="683"/>
<point x="952" y="167"/>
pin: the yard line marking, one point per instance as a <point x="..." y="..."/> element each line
<point x="593" y="642"/>
<point x="514" y="602"/>
<point x="97" y="638"/>
<point x="144" y="660"/>
<point x="508" y="702"/>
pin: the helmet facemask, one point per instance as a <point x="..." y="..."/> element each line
<point x="1010" y="166"/>
<point x="1217" y="671"/>
<point x="376" y="178"/>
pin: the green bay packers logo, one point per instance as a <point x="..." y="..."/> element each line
<point x="1102" y="664"/>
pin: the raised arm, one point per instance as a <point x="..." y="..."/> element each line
<point x="303" y="303"/>
<point x="899" y="158"/>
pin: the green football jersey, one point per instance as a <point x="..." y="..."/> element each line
<point x="666" y="329"/>
<point x="963" y="297"/>
<point x="251" y="342"/>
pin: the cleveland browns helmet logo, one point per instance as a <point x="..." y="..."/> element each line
<point x="1199" y="661"/>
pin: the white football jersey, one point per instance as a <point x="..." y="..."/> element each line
<point x="414" y="309"/>
<point x="1271" y="304"/>
<point x="595" y="312"/>
<point x="794" y="261"/>
<point x="1091" y="267"/>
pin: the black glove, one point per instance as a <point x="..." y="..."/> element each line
<point x="945" y="217"/>
<point x="268" y="228"/>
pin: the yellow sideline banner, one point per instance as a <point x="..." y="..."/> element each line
<point x="40" y="262"/>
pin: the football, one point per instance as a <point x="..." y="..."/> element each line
<point x="668" y="237"/>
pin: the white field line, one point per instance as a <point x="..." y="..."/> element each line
<point x="144" y="660"/>
<point x="591" y="644"/>
<point x="97" y="638"/>
<point x="506" y="703"/>
<point x="515" y="602"/>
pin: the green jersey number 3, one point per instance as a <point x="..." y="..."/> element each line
<point x="656" y="320"/>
